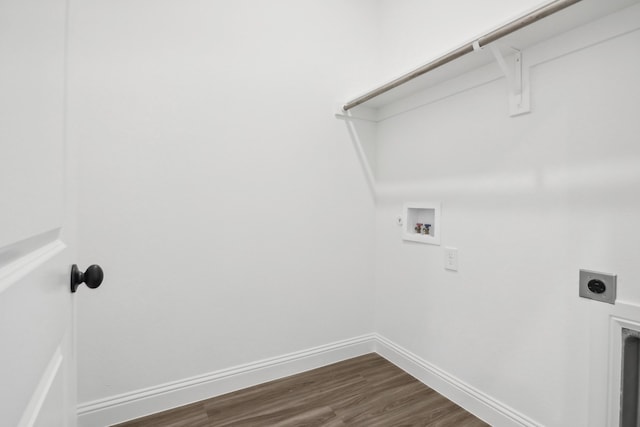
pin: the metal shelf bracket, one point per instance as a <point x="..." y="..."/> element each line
<point x="517" y="77"/>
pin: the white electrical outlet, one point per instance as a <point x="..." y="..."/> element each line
<point x="451" y="259"/>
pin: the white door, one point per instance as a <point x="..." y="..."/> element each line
<point x="37" y="369"/>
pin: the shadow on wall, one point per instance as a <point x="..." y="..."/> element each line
<point x="610" y="175"/>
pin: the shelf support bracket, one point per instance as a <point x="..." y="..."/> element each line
<point x="517" y="79"/>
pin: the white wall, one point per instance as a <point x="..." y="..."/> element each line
<point x="234" y="222"/>
<point x="413" y="32"/>
<point x="220" y="195"/>
<point x="528" y="201"/>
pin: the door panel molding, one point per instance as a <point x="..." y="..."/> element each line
<point x="43" y="392"/>
<point x="38" y="218"/>
<point x="21" y="258"/>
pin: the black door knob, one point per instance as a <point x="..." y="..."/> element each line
<point x="92" y="277"/>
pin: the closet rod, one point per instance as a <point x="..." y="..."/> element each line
<point x="506" y="29"/>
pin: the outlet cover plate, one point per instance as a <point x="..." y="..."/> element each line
<point x="451" y="259"/>
<point x="609" y="280"/>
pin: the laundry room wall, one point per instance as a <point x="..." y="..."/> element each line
<point x="218" y="192"/>
<point x="527" y="201"/>
<point x="413" y="32"/>
<point x="234" y="222"/>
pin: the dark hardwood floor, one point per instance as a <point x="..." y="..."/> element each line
<point x="366" y="391"/>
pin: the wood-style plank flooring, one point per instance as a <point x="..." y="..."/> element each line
<point x="366" y="391"/>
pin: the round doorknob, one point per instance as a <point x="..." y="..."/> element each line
<point x="92" y="277"/>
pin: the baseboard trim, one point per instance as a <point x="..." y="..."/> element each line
<point x="139" y="403"/>
<point x="128" y="406"/>
<point x="470" y="398"/>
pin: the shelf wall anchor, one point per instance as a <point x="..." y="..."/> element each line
<point x="517" y="76"/>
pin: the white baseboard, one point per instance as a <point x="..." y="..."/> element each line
<point x="473" y="400"/>
<point x="128" y="406"/>
<point x="147" y="401"/>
